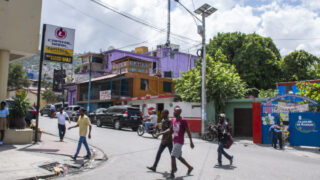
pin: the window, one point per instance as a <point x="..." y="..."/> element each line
<point x="167" y="87"/>
<point x="154" y="67"/>
<point x="144" y="84"/>
<point x="168" y="74"/>
<point x="171" y="55"/>
<point x="97" y="59"/>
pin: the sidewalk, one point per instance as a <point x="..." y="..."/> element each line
<point x="39" y="160"/>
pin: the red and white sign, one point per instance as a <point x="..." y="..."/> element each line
<point x="105" y="95"/>
<point x="150" y="109"/>
<point x="61" y="33"/>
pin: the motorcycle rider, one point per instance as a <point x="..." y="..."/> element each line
<point x="52" y="110"/>
<point x="153" y="121"/>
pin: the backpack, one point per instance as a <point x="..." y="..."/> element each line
<point x="229" y="142"/>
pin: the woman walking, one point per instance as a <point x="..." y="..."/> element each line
<point x="3" y="120"/>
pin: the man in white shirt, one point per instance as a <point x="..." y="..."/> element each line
<point x="153" y="120"/>
<point x="61" y="115"/>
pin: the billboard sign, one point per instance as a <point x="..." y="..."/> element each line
<point x="105" y="95"/>
<point x="59" y="44"/>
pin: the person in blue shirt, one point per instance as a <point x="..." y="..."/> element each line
<point x="276" y="135"/>
<point x="3" y="120"/>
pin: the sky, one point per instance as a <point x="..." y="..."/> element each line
<point x="292" y="24"/>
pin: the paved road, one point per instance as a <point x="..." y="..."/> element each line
<point x="129" y="155"/>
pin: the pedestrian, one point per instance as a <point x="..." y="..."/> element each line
<point x="4" y="113"/>
<point x="83" y="123"/>
<point x="276" y="135"/>
<point x="52" y="110"/>
<point x="166" y="141"/>
<point x="62" y="116"/>
<point x="223" y="135"/>
<point x="178" y="127"/>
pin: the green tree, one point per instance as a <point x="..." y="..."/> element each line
<point x="268" y="93"/>
<point x="256" y="58"/>
<point x="77" y="70"/>
<point x="222" y="82"/>
<point x="50" y="96"/>
<point x="17" y="78"/>
<point x="310" y="90"/>
<point x="300" y="65"/>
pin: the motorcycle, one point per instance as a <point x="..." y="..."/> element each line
<point x="212" y="133"/>
<point x="153" y="130"/>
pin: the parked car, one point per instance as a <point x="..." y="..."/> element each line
<point x="97" y="114"/>
<point x="32" y="112"/>
<point x="45" y="110"/>
<point x="73" y="112"/>
<point x="121" y="116"/>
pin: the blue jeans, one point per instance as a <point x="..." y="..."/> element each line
<point x="84" y="141"/>
<point x="222" y="152"/>
<point x="62" y="130"/>
<point x="147" y="125"/>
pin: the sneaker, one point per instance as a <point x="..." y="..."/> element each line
<point x="171" y="176"/>
<point x="74" y="158"/>
<point x="231" y="160"/>
<point x="189" y="171"/>
<point x="218" y="165"/>
<point x="87" y="156"/>
<point x="152" y="168"/>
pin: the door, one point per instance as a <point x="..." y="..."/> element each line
<point x="243" y="122"/>
<point x="108" y="116"/>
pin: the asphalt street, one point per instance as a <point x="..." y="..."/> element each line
<point x="129" y="154"/>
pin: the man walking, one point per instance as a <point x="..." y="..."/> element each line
<point x="222" y="139"/>
<point x="83" y="123"/>
<point x="178" y="127"/>
<point x="61" y="115"/>
<point x="166" y="139"/>
<point x="276" y="135"/>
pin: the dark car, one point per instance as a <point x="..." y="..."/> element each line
<point x="73" y="112"/>
<point x="45" y="110"/>
<point x="97" y="114"/>
<point x="120" y="116"/>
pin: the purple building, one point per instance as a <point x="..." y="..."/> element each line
<point x="165" y="62"/>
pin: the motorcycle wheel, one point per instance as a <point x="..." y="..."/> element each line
<point x="140" y="130"/>
<point x="156" y="131"/>
<point x="209" y="137"/>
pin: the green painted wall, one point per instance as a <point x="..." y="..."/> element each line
<point x="230" y="106"/>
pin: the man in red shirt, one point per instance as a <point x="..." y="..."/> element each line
<point x="178" y="127"/>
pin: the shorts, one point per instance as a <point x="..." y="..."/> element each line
<point x="177" y="150"/>
<point x="3" y="123"/>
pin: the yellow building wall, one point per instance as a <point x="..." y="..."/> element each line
<point x="32" y="97"/>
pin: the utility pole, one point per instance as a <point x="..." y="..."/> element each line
<point x="205" y="11"/>
<point x="168" y="25"/>
<point x="62" y="82"/>
<point x="89" y="88"/>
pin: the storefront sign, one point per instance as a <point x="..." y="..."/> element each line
<point x="305" y="125"/>
<point x="105" y="95"/>
<point x="291" y="108"/>
<point x="59" y="44"/>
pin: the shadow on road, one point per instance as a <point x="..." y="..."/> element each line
<point x="7" y="147"/>
<point x="166" y="175"/>
<point x="226" y="167"/>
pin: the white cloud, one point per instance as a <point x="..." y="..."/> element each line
<point x="278" y="19"/>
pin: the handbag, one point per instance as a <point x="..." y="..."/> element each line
<point x="229" y="142"/>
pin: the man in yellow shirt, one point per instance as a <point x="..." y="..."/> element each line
<point x="83" y="123"/>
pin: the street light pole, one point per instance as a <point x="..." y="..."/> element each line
<point x="203" y="87"/>
<point x="205" y="11"/>
<point x="89" y="88"/>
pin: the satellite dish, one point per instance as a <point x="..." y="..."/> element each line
<point x="110" y="48"/>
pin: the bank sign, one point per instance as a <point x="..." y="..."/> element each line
<point x="58" y="44"/>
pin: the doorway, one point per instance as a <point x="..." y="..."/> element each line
<point x="160" y="108"/>
<point x="243" y="122"/>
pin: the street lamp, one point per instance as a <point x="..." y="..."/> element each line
<point x="205" y="11"/>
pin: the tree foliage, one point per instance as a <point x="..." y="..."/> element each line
<point x="268" y="93"/>
<point x="310" y="90"/>
<point x="300" y="65"/>
<point x="17" y="78"/>
<point x="222" y="82"/>
<point x="50" y="96"/>
<point x="256" y="58"/>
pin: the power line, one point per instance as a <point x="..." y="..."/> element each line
<point x="130" y="45"/>
<point x="137" y="20"/>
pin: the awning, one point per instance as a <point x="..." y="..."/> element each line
<point x="99" y="78"/>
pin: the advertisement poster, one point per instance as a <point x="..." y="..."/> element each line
<point x="59" y="44"/>
<point x="105" y="95"/>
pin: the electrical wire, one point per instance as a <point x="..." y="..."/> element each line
<point x="137" y="20"/>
